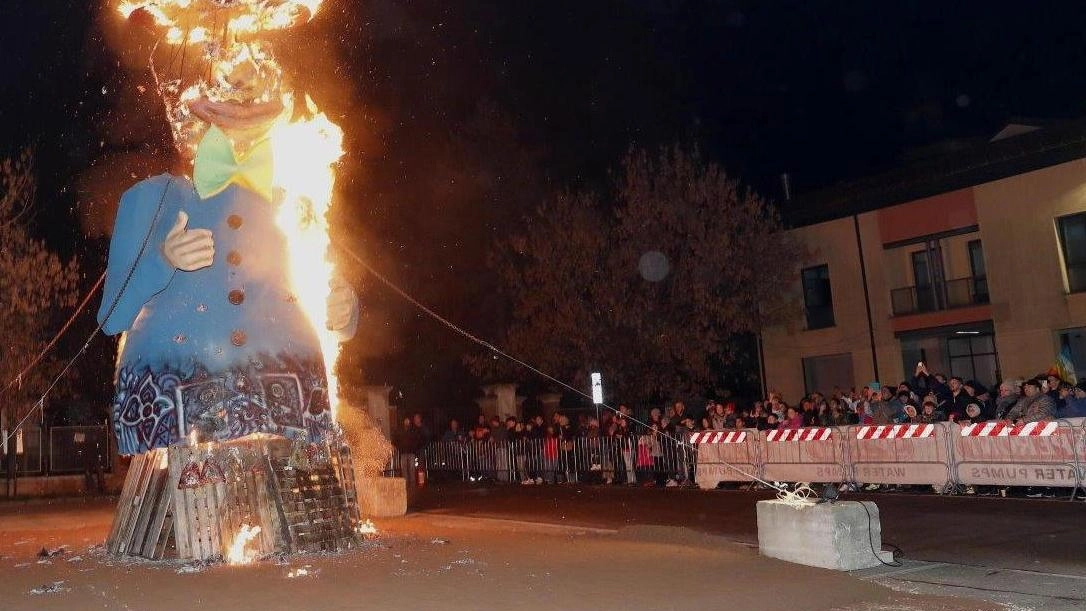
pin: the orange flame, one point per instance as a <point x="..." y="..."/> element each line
<point x="237" y="554"/>
<point x="179" y="17"/>
<point x="305" y="153"/>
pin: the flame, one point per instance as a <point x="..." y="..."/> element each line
<point x="305" y="153"/>
<point x="366" y="528"/>
<point x="249" y="17"/>
<point x="237" y="554"/>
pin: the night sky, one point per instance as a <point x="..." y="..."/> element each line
<point x="462" y="115"/>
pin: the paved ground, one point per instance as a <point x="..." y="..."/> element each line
<point x="1026" y="534"/>
<point x="1024" y="552"/>
<point x="428" y="561"/>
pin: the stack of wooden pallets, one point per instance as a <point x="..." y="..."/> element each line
<point x="296" y="509"/>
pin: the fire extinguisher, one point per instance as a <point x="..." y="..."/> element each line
<point x="420" y="475"/>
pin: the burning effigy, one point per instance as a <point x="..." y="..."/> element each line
<point x="230" y="310"/>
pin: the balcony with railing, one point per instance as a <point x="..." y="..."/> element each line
<point x="957" y="293"/>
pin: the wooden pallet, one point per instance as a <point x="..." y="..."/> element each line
<point x="143" y="521"/>
<point x="196" y="524"/>
<point x="315" y="507"/>
<point x="314" y="510"/>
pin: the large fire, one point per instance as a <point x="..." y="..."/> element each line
<point x="184" y="20"/>
<point x="305" y="153"/>
<point x="305" y="150"/>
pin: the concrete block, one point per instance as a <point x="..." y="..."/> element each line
<point x="831" y="536"/>
<point x="382" y="497"/>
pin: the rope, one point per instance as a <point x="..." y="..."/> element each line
<point x="40" y="403"/>
<point x="78" y="310"/>
<point x="496" y="350"/>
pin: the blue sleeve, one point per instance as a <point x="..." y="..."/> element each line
<point x="136" y="218"/>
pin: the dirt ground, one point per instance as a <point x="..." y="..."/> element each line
<point x="431" y="562"/>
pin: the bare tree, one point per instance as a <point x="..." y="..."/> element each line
<point x="653" y="284"/>
<point x="35" y="285"/>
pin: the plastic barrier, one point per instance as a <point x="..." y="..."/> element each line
<point x="805" y="455"/>
<point x="1036" y="454"/>
<point x="900" y="454"/>
<point x="718" y="449"/>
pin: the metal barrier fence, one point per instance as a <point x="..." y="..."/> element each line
<point x="624" y="460"/>
<point x="79" y="449"/>
<point x="27" y="444"/>
<point x="943" y="455"/>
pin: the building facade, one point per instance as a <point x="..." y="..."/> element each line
<point x="978" y="269"/>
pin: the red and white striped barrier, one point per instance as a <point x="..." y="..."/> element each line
<point x="1003" y="429"/>
<point x="718" y="437"/>
<point x="813" y="434"/>
<point x="896" y="431"/>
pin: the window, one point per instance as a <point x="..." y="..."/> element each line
<point x="824" y="373"/>
<point x="1072" y="232"/>
<point x="979" y="272"/>
<point x="1075" y="341"/>
<point x="817" y="299"/>
<point x="973" y="357"/>
<point x="928" y="278"/>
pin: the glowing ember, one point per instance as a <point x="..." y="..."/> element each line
<point x="366" y="528"/>
<point x="237" y="554"/>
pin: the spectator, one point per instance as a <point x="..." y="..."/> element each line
<point x="911" y="415"/>
<point x="1033" y="406"/>
<point x="454" y="434"/>
<point x="716" y="419"/>
<point x="567" y="435"/>
<point x="929" y="414"/>
<point x="882" y="411"/>
<point x="770" y="424"/>
<point x="627" y="447"/>
<point x="675" y="418"/>
<point x="425" y="436"/>
<point x="807" y="413"/>
<point x="550" y="454"/>
<point x="793" y="419"/>
<point x="978" y="395"/>
<point x="1009" y="393"/>
<point x="407" y="442"/>
<point x="974" y="414"/>
<point x="838" y="414"/>
<point x="1054" y="382"/>
<point x="1075" y="406"/>
<point x="959" y="398"/>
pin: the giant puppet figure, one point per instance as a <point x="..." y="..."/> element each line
<point x="215" y="344"/>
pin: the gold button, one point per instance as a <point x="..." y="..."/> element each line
<point x="233" y="258"/>
<point x="238" y="338"/>
<point x="236" y="296"/>
<point x="234" y="221"/>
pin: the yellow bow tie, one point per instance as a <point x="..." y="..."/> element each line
<point x="216" y="167"/>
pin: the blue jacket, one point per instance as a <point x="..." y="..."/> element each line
<point x="1073" y="408"/>
<point x="223" y="350"/>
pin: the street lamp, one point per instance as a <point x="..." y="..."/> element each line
<point x="597" y="393"/>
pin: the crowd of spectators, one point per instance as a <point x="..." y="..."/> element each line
<point x="615" y="447"/>
<point x="927" y="398"/>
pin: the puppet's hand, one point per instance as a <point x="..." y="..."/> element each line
<point x="342" y="305"/>
<point x="188" y="249"/>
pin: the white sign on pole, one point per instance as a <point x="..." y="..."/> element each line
<point x="597" y="389"/>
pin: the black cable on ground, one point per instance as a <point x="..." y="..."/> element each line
<point x="894" y="550"/>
